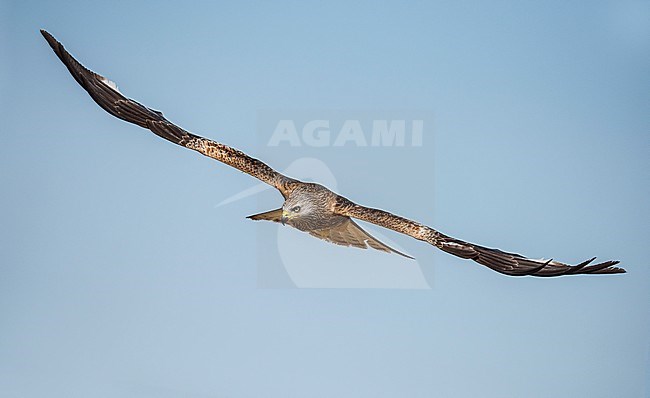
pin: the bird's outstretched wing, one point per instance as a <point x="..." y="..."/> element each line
<point x="345" y="233"/>
<point x="506" y="263"/>
<point x="349" y="233"/>
<point x="106" y="94"/>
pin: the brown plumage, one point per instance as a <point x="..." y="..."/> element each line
<point x="311" y="207"/>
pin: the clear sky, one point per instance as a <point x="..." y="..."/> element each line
<point x="120" y="277"/>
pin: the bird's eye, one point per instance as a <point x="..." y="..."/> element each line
<point x="295" y="209"/>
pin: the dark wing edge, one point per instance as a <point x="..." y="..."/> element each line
<point x="106" y="94"/>
<point x="511" y="264"/>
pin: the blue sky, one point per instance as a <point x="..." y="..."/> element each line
<point x="120" y="277"/>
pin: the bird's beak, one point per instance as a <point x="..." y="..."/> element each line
<point x="285" y="217"/>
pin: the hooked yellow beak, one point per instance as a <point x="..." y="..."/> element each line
<point x="285" y="217"/>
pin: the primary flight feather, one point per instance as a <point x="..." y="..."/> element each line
<point x="311" y="207"/>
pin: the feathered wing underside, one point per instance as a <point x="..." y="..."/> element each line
<point x="506" y="263"/>
<point x="345" y="233"/>
<point x="106" y="94"/>
<point x="349" y="233"/>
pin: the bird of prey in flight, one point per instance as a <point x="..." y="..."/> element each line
<point x="310" y="207"/>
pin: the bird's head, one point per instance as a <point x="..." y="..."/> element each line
<point x="306" y="208"/>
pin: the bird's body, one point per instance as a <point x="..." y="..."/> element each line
<point x="310" y="207"/>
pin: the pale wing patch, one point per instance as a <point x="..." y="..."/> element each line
<point x="350" y="234"/>
<point x="109" y="83"/>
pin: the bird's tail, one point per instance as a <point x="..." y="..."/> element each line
<point x="272" y="215"/>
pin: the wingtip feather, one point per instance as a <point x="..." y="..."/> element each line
<point x="49" y="38"/>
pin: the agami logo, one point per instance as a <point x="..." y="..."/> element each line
<point x="350" y="132"/>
